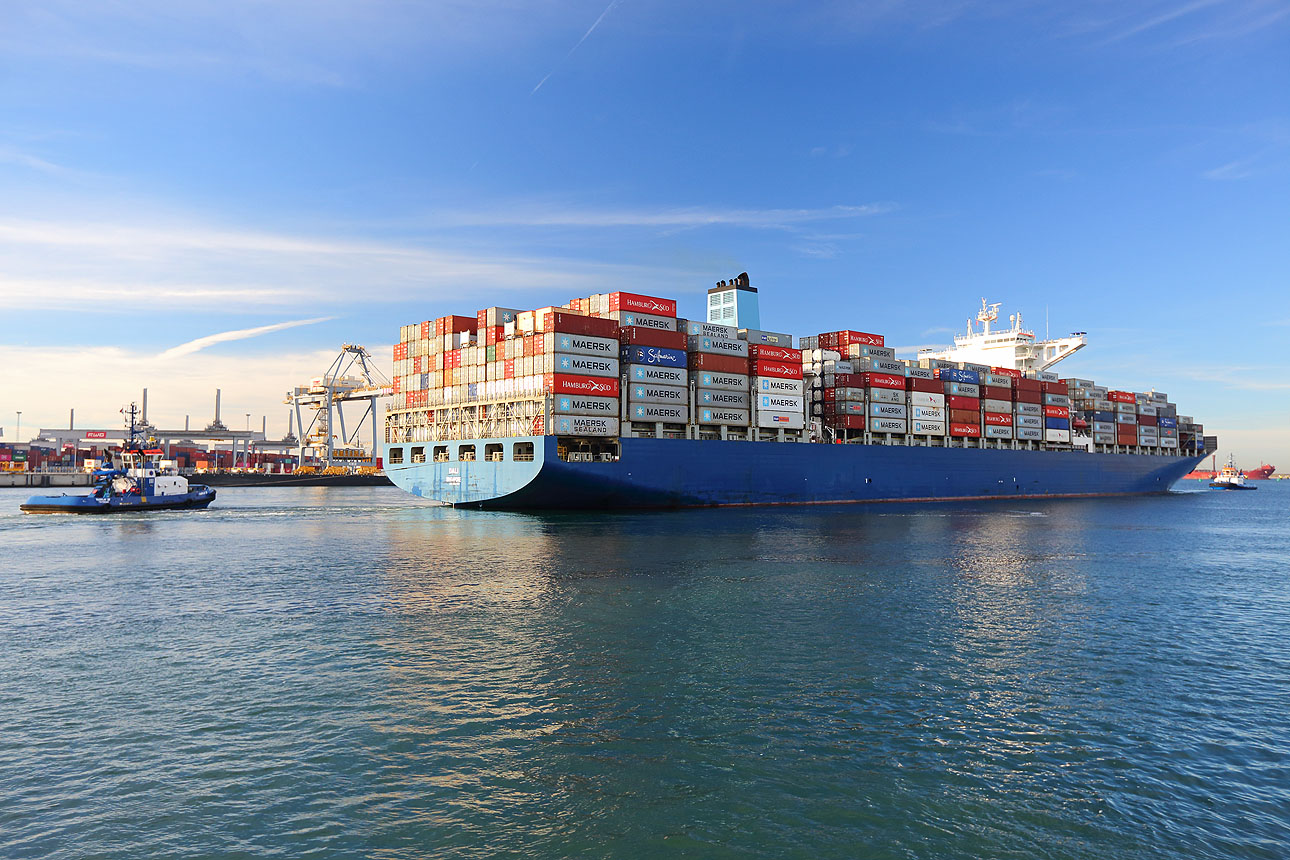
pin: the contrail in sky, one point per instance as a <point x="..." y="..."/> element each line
<point x="239" y="334"/>
<point x="590" y="30"/>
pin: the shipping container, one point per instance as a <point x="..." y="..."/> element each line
<point x="779" y="403"/>
<point x="654" y="355"/>
<point x="719" y="363"/>
<point x="919" y="398"/>
<point x="777" y="386"/>
<point x="662" y="375"/>
<point x="967" y="403"/>
<point x="636" y="336"/>
<point x="968" y="377"/>
<point x="642" y="304"/>
<point x="927" y="428"/>
<point x="722" y="399"/>
<point x="997" y="431"/>
<point x="779" y="369"/>
<point x="996" y="380"/>
<point x="640" y="392"/>
<point x="697" y="328"/>
<point x="732" y="417"/>
<point x="888" y="410"/>
<point x="881" y="380"/>
<point x="888" y="425"/>
<point x="717" y="346"/>
<point x="572" y="404"/>
<point x="927" y="413"/>
<point x="965" y="429"/>
<point x="1028" y="409"/>
<point x="768" y="419"/>
<point x="597" y="386"/>
<point x="962" y="389"/>
<point x="1061" y="436"/>
<point x="884" y="395"/>
<point x="584" y="425"/>
<point x="1057" y="424"/>
<point x="770" y="338"/>
<point x="774" y="353"/>
<point x="996" y="406"/>
<point x="583" y="365"/>
<point x="1032" y="434"/>
<point x="667" y="412"/>
<point x="998" y="419"/>
<point x="723" y="381"/>
<point x="919" y="373"/>
<point x="637" y="320"/>
<point x="964" y="416"/>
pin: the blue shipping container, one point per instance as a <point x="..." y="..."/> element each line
<point x="968" y="376"/>
<point x="1057" y="423"/>
<point x="1104" y="416"/>
<point x="653" y="355"/>
<point x="1167" y="422"/>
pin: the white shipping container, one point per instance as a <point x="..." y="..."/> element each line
<point x="1032" y="433"/>
<point x="661" y="375"/>
<point x="1028" y="421"/>
<point x="1057" y="400"/>
<point x="920" y="398"/>
<point x="994" y="431"/>
<point x="1104" y="405"/>
<point x="1104" y="427"/>
<point x="780" y="403"/>
<point x="920" y="372"/>
<point x="927" y="413"/>
<point x="1057" y="435"/>
<point x="1104" y="438"/>
<point x="721" y="381"/>
<point x="669" y="412"/>
<point x="853" y="394"/>
<point x="1125" y="418"/>
<point x="732" y="417"/>
<point x="717" y="346"/>
<point x="879" y="365"/>
<point x="837" y="367"/>
<point x="1168" y="443"/>
<point x="888" y="410"/>
<point x="866" y="351"/>
<point x="962" y="389"/>
<point x="927" y="428"/>
<point x="707" y="329"/>
<point x="996" y="406"/>
<point x="886" y="395"/>
<point x="996" y="379"/>
<point x="1028" y="409"/>
<point x="823" y="355"/>
<point x="888" y="425"/>
<point x="1147" y="409"/>
<point x="781" y="420"/>
<point x="584" y="425"/>
<point x="574" y="404"/>
<point x="766" y="338"/>
<point x="581" y="365"/>
<point x="722" y="399"/>
<point x="579" y="344"/>
<point x="639" y="392"/>
<point x="644" y="320"/>
<point x="775" y="385"/>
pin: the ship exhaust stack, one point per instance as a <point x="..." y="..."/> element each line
<point x="144" y="415"/>
<point x="217" y="406"/>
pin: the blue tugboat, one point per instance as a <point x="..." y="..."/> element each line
<point x="136" y="482"/>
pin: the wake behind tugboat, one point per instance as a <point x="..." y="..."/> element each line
<point x="138" y="481"/>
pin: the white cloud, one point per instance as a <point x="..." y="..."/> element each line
<point x="532" y="216"/>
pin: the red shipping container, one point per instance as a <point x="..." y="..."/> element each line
<point x="642" y="304"/>
<point x="1146" y="421"/>
<point x="1001" y="419"/>
<point x="508" y="369"/>
<point x="955" y="401"/>
<point x="1007" y="371"/>
<point x="996" y="392"/>
<point x="396" y="384"/>
<point x="1028" y="397"/>
<point x="571" y="323"/>
<point x="840" y="340"/>
<point x="640" y="336"/>
<point x="416" y="364"/>
<point x="883" y="380"/>
<point x="400" y="351"/>
<point x="927" y="386"/>
<point x="718" y="363"/>
<point x="848" y="380"/>
<point x="1053" y="387"/>
<point x="847" y="422"/>
<point x="592" y="386"/>
<point x="1120" y="396"/>
<point x="774" y="353"/>
<point x="1027" y="384"/>
<point x="778" y="369"/>
<point x="425" y="329"/>
<point x="1056" y="412"/>
<point x="965" y="430"/>
<point x="965" y="416"/>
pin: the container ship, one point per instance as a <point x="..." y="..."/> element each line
<point x="615" y="401"/>
<point x="1262" y="473"/>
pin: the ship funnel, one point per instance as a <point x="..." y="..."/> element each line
<point x="216" y="405"/>
<point x="145" y="406"/>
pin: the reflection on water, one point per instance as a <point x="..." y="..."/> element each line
<point x="354" y="673"/>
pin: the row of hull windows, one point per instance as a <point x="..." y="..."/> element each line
<point x="493" y="451"/>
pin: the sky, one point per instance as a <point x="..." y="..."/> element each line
<point x="219" y="194"/>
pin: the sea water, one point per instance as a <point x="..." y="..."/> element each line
<point x="312" y="673"/>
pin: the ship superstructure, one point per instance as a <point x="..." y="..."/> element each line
<point x="1016" y="347"/>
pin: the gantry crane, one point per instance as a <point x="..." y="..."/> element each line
<point x="352" y="378"/>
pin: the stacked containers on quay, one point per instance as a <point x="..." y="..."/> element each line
<point x="615" y="400"/>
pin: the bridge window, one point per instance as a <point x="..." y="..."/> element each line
<point x="466" y="452"/>
<point x="396" y="455"/>
<point x="523" y="451"/>
<point x="494" y="453"/>
<point x="418" y="455"/>
<point x="441" y="453"/>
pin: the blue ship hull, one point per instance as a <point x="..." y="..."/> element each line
<point x="672" y="473"/>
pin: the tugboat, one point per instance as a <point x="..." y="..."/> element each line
<point x="1230" y="478"/>
<point x="138" y="481"/>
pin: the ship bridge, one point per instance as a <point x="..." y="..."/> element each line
<point x="1015" y="347"/>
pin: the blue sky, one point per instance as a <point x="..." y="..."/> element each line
<point x="171" y="171"/>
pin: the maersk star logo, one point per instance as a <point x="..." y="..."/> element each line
<point x="707" y="379"/>
<point x="564" y="362"/>
<point x="629" y="320"/>
<point x="565" y="403"/>
<point x="640" y="410"/>
<point x="565" y="342"/>
<point x="640" y="392"/>
<point x="707" y="397"/>
<point x="707" y="416"/>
